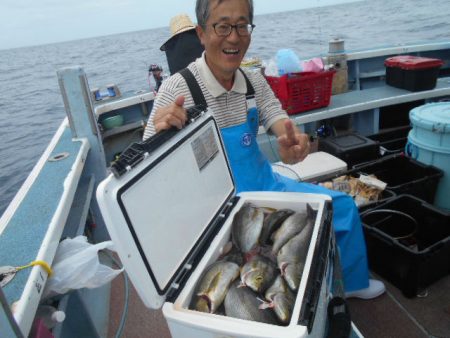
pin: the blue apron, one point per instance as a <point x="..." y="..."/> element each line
<point x="252" y="172"/>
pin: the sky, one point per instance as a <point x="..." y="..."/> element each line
<point x="36" y="22"/>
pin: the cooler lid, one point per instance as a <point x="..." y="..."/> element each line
<point x="410" y="62"/>
<point x="433" y="116"/>
<point x="159" y="211"/>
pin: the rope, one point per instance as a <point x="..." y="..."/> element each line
<point x="43" y="264"/>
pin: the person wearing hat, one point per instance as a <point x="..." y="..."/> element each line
<point x="183" y="46"/>
<point x="241" y="102"/>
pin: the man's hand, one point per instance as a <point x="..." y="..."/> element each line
<point x="293" y="145"/>
<point x="173" y="115"/>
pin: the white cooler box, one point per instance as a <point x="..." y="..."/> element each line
<point x="169" y="208"/>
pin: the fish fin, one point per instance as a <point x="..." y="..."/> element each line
<point x="283" y="267"/>
<point x="266" y="251"/>
<point x="310" y="211"/>
<point x="252" y="253"/>
<point x="241" y="285"/>
<point x="266" y="305"/>
<point x="226" y="249"/>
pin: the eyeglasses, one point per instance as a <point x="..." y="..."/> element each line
<point x="224" y="29"/>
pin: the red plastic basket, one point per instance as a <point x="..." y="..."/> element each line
<point x="299" y="92"/>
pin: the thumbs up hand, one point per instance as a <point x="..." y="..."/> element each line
<point x="172" y="115"/>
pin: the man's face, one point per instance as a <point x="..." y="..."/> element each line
<point x="224" y="54"/>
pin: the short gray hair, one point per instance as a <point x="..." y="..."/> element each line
<point x="202" y="11"/>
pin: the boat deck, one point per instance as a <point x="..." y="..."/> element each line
<point x="390" y="315"/>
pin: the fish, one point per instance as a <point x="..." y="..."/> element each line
<point x="258" y="273"/>
<point x="282" y="304"/>
<point x="213" y="286"/>
<point x="293" y="225"/>
<point x="272" y="222"/>
<point x="246" y="227"/>
<point x="243" y="303"/>
<point x="292" y="256"/>
<point x="278" y="286"/>
<point x="280" y="298"/>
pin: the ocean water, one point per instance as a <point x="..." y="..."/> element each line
<point x="31" y="107"/>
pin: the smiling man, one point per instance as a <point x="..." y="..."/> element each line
<point x="242" y="101"/>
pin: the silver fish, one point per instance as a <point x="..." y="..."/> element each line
<point x="272" y="222"/>
<point x="246" y="227"/>
<point x="243" y="303"/>
<point x="258" y="273"/>
<point x="293" y="225"/>
<point x="281" y="299"/>
<point x="213" y="286"/>
<point x="282" y="304"/>
<point x="292" y="256"/>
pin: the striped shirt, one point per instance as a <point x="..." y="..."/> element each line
<point x="228" y="107"/>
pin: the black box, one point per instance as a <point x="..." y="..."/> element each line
<point x="403" y="175"/>
<point x="352" y="148"/>
<point x="408" y="242"/>
<point x="392" y="141"/>
<point x="412" y="73"/>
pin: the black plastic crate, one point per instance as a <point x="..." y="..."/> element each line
<point x="403" y="175"/>
<point x="408" y="242"/>
<point x="352" y="148"/>
<point x="392" y="141"/>
<point x="412" y="72"/>
<point x="412" y="80"/>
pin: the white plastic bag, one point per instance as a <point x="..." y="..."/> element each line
<point x="76" y="265"/>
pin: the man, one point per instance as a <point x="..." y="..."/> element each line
<point x="155" y="72"/>
<point x="224" y="28"/>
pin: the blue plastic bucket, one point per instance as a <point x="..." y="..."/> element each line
<point x="429" y="143"/>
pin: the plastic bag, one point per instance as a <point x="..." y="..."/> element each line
<point x="313" y="65"/>
<point x="270" y="68"/>
<point x="77" y="265"/>
<point x="287" y="62"/>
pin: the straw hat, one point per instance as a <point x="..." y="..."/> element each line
<point x="178" y="24"/>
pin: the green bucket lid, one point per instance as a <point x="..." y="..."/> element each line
<point x="433" y="116"/>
